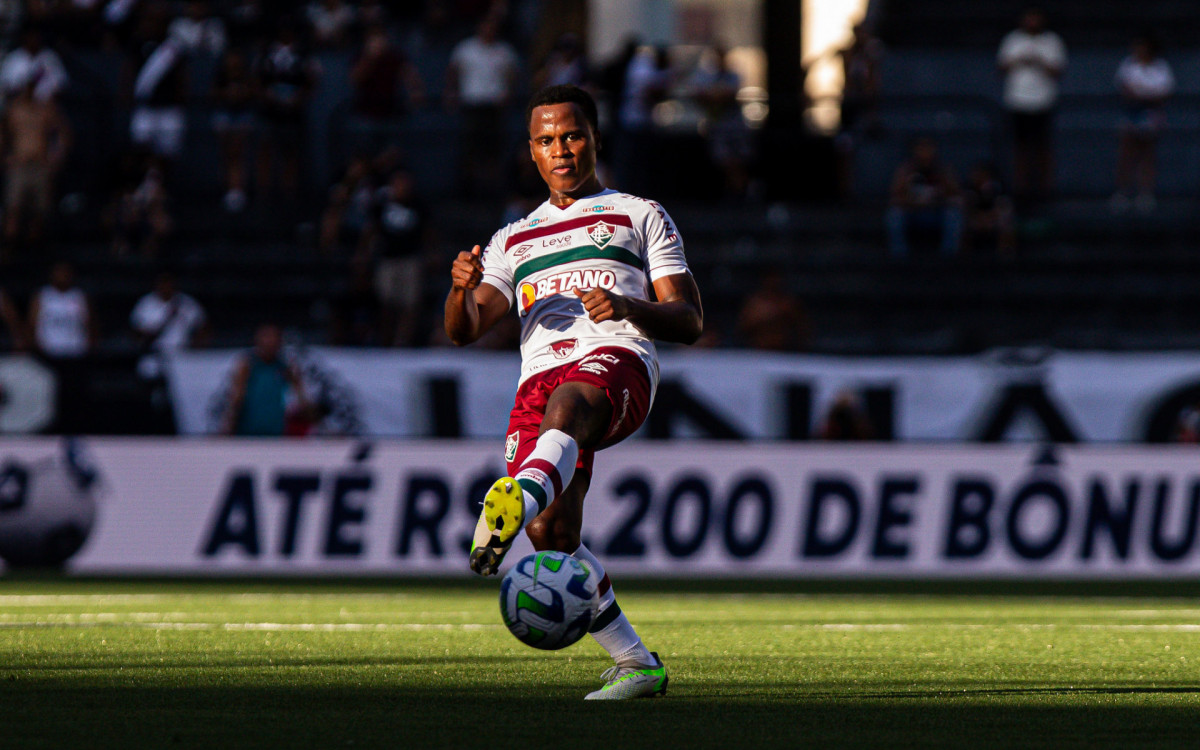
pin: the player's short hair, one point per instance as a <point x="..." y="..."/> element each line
<point x="564" y="94"/>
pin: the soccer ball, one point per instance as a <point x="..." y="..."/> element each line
<point x="47" y="506"/>
<point x="548" y="599"/>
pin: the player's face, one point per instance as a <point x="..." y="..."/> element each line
<point x="563" y="146"/>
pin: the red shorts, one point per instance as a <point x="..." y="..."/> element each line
<point x="618" y="372"/>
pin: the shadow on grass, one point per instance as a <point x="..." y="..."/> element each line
<point x="552" y="715"/>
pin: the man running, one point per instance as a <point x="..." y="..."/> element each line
<point x="580" y="270"/>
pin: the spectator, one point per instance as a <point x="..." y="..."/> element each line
<point x="1146" y="82"/>
<point x="158" y="122"/>
<point x="989" y="212"/>
<point x="358" y="317"/>
<point x="198" y="31"/>
<point x="772" y="319"/>
<point x="730" y="143"/>
<point x="262" y="385"/>
<point x="611" y="79"/>
<point x="63" y="329"/>
<point x="164" y="321"/>
<point x="138" y="215"/>
<point x="398" y="234"/>
<point x="331" y="21"/>
<point x="564" y="64"/>
<point x="287" y="76"/>
<point x="847" y="419"/>
<point x="35" y="139"/>
<point x="647" y="83"/>
<point x="32" y="61"/>
<point x="924" y="199"/>
<point x="61" y="318"/>
<point x="385" y="84"/>
<point x="349" y="208"/>
<point x="234" y="122"/>
<point x="1032" y="59"/>
<point x="11" y="320"/>
<point x="862" y="73"/>
<point x="480" y="81"/>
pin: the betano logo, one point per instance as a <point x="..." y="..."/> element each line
<point x="567" y="281"/>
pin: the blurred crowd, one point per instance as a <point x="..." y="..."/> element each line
<point x="253" y="69"/>
<point x="928" y="204"/>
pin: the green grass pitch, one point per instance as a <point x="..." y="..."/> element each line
<point x="361" y="664"/>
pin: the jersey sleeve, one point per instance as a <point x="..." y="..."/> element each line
<point x="664" y="247"/>
<point x="497" y="271"/>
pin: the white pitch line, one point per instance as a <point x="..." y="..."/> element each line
<point x="35" y="600"/>
<point x="249" y="626"/>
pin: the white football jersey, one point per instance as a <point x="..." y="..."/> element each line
<point x="612" y="240"/>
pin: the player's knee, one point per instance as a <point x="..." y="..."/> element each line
<point x="550" y="533"/>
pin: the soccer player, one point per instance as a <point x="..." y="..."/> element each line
<point x="596" y="275"/>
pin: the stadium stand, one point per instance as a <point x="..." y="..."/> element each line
<point x="1082" y="277"/>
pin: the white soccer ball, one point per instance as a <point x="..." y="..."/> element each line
<point x="47" y="506"/>
<point x="548" y="599"/>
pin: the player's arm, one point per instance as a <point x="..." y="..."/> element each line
<point x="675" y="315"/>
<point x="472" y="308"/>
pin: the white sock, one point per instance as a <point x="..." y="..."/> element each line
<point x="547" y="470"/>
<point x="611" y="628"/>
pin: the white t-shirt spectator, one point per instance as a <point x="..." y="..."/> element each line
<point x="177" y="318"/>
<point x="484" y="71"/>
<point x="175" y="321"/>
<point x="61" y="327"/>
<point x="45" y="69"/>
<point x="1028" y="85"/>
<point x="1148" y="81"/>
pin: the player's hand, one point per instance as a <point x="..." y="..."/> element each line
<point x="467" y="271"/>
<point x="602" y="305"/>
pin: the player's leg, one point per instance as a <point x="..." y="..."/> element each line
<point x="574" y="414"/>
<point x="577" y="416"/>
<point x="637" y="672"/>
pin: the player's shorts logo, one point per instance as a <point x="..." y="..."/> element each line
<point x="510" y="446"/>
<point x="527" y="296"/>
<point x="563" y="349"/>
<point x="601" y="233"/>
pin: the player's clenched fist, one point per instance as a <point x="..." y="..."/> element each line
<point x="601" y="304"/>
<point x="467" y="271"/>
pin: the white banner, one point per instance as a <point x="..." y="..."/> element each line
<point x="673" y="509"/>
<point x="1010" y="395"/>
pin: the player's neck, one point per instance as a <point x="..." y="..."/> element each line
<point x="588" y="189"/>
